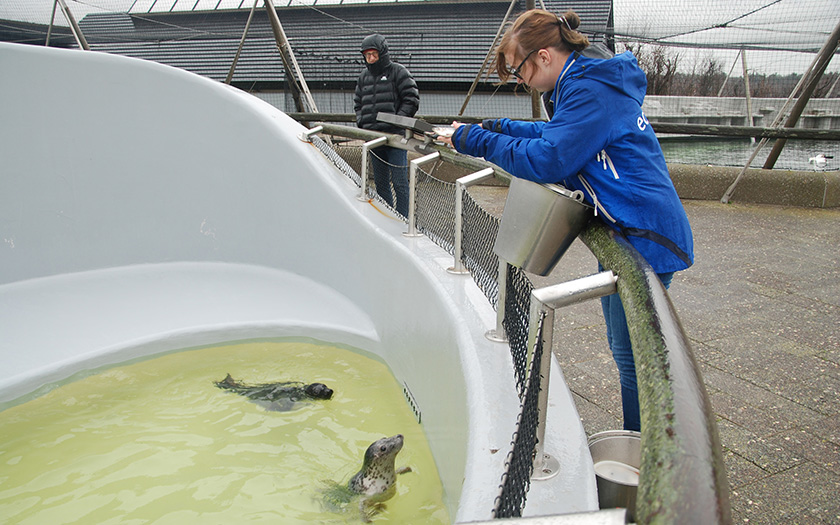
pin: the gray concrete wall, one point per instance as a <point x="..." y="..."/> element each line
<point x="811" y="189"/>
<point x="820" y="113"/>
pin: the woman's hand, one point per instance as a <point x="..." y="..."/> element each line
<point x="448" y="140"/>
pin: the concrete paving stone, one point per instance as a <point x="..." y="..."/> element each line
<point x="705" y="353"/>
<point x="784" y="373"/>
<point x="832" y="356"/>
<point x="738" y="411"/>
<point x="716" y="324"/>
<point x="814" y="328"/>
<point x="758" y="343"/>
<point x="797" y="495"/>
<point x="581" y="344"/>
<point x="773" y="405"/>
<point x="821" y="395"/>
<point x="740" y="472"/>
<point x="825" y="292"/>
<point x="599" y="387"/>
<point x="827" y="428"/>
<point x="770" y="457"/>
<point x="811" y="447"/>
<point x="595" y="418"/>
<point x="585" y="317"/>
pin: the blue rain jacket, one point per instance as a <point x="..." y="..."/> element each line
<point x="597" y="141"/>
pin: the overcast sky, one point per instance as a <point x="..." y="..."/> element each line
<point x="788" y="24"/>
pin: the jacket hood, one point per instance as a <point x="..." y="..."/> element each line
<point x="378" y="43"/>
<point x="621" y="72"/>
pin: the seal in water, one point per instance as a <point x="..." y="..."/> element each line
<point x="375" y="483"/>
<point x="277" y="397"/>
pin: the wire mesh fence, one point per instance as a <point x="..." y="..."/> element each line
<point x="520" y="460"/>
<point x="435" y="212"/>
<point x="702" y="57"/>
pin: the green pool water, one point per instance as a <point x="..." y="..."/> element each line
<point x="156" y="442"/>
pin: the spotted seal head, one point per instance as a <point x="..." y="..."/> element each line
<point x="377" y="478"/>
<point x="374" y="484"/>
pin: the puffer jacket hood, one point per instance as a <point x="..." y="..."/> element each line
<point x="378" y="43"/>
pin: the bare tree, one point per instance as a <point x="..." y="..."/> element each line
<point x="659" y="64"/>
<point x="710" y="77"/>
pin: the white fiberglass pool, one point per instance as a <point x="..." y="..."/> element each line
<point x="144" y="209"/>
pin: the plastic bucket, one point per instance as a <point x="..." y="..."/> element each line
<point x="617" y="458"/>
<point x="539" y="224"/>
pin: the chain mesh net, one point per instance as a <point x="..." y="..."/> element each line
<point x="516" y="321"/>
<point x="520" y="460"/>
<point x="479" y="230"/>
<point x="435" y="212"/>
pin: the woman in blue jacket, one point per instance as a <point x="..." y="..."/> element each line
<point x="598" y="141"/>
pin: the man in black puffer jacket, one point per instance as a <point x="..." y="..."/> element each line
<point x="386" y="87"/>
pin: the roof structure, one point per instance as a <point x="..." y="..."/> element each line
<point x="443" y="43"/>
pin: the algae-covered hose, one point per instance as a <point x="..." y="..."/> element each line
<point x="682" y="475"/>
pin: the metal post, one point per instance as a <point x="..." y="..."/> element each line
<point x="287" y="54"/>
<point x="52" y="23"/>
<point x="241" y="43"/>
<point x="412" y="186"/>
<point x="306" y="136"/>
<point x="776" y="123"/>
<point x="823" y="58"/>
<point x="74" y="27"/>
<point x="487" y="57"/>
<point x="747" y="91"/>
<point x="498" y="335"/>
<point x="366" y="147"/>
<point x="460" y="185"/>
<point x="543" y="303"/>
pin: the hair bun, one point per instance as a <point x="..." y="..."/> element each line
<point x="572" y="19"/>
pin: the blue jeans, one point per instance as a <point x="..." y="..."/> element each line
<point x="390" y="166"/>
<point x="618" y="337"/>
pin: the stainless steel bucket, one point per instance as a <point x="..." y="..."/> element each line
<point x="539" y="224"/>
<point x="617" y="458"/>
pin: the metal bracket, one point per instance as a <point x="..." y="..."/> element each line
<point x="306" y="136"/>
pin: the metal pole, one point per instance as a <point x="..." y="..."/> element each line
<point x="74" y="27"/>
<point x="460" y="185"/>
<point x="52" y="22"/>
<point x="306" y="136"/>
<point x="412" y="187"/>
<point x="731" y="69"/>
<point x="748" y="95"/>
<point x="487" y="57"/>
<point x="288" y="54"/>
<point x="366" y="147"/>
<point x="498" y="335"/>
<point x="545" y="466"/>
<point x="823" y="58"/>
<point x="536" y="100"/>
<point x="241" y="43"/>
<point x="729" y="191"/>
<point x="544" y="302"/>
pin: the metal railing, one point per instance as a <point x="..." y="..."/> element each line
<point x="682" y="476"/>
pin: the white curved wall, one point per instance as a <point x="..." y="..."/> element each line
<point x="145" y="209"/>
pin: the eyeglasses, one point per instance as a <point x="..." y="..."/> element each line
<point x="516" y="71"/>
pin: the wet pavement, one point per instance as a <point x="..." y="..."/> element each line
<point x="761" y="306"/>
